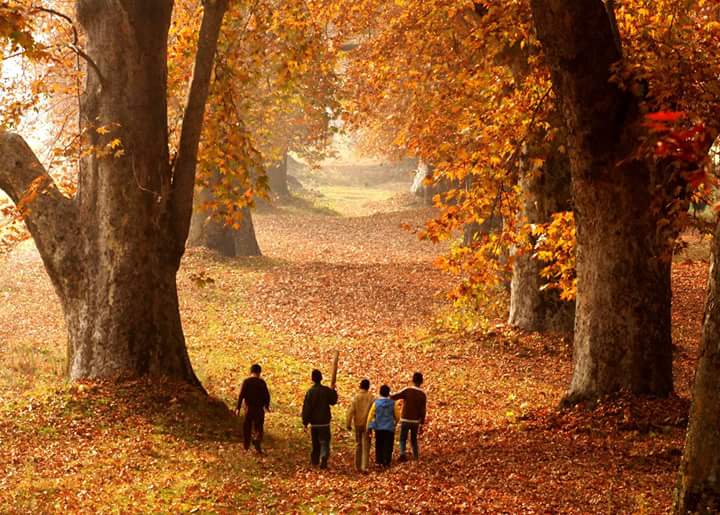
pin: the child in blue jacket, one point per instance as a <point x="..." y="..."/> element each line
<point x="383" y="416"/>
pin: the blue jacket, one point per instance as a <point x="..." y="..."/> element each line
<point x="382" y="415"/>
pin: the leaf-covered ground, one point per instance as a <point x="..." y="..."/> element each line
<point x="495" y="441"/>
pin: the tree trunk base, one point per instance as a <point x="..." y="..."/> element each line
<point x="207" y="232"/>
<point x="111" y="334"/>
<point x="533" y="309"/>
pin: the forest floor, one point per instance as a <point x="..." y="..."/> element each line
<point x="495" y="440"/>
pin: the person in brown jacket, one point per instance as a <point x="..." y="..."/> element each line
<point x="357" y="414"/>
<point x="413" y="415"/>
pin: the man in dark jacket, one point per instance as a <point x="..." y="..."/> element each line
<point x="413" y="414"/>
<point x="254" y="392"/>
<point x="316" y="413"/>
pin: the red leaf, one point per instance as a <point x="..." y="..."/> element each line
<point x="665" y="116"/>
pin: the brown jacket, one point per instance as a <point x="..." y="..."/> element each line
<point x="414" y="404"/>
<point x="359" y="408"/>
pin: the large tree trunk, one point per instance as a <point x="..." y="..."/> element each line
<point x="533" y="308"/>
<point x="125" y="318"/>
<point x="113" y="253"/>
<point x="698" y="489"/>
<point x="622" y="320"/>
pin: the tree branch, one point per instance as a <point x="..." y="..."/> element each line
<point x="50" y="216"/>
<point x="610" y="8"/>
<point x="76" y="41"/>
<point x="183" y="185"/>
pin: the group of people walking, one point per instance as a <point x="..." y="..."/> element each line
<point x="381" y="415"/>
<point x="365" y="415"/>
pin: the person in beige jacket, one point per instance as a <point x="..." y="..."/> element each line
<point x="358" y="414"/>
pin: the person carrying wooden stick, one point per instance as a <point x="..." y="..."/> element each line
<point x="316" y="413"/>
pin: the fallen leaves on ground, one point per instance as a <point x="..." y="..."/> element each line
<point x="495" y="439"/>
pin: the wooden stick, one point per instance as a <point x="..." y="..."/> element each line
<point x="334" y="369"/>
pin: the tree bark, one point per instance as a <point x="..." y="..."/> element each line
<point x="622" y="322"/>
<point x="51" y="218"/>
<point x="113" y="252"/>
<point x="698" y="489"/>
<point x="531" y="307"/>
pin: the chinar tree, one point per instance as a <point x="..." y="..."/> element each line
<point x="273" y="92"/>
<point x="624" y="73"/>
<point x="113" y="251"/>
<point x="622" y="319"/>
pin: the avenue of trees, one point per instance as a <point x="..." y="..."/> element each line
<point x="601" y="112"/>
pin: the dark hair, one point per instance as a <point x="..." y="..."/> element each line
<point x="316" y="375"/>
<point x="384" y="390"/>
<point x="255" y="369"/>
<point x="365" y="384"/>
<point x="418" y="378"/>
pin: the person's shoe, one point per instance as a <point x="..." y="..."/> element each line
<point x="402" y="458"/>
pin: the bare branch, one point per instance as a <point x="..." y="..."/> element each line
<point x="183" y="185"/>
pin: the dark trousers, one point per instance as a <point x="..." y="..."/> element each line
<point x="412" y="428"/>
<point x="384" y="441"/>
<point x="320" y="445"/>
<point x="254" y="421"/>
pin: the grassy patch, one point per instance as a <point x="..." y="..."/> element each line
<point x="352" y="200"/>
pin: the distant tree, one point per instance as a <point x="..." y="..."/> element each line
<point x="232" y="236"/>
<point x="272" y="93"/>
<point x="544" y="191"/>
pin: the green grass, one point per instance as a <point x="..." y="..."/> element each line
<point x="352" y="200"/>
<point x="337" y="200"/>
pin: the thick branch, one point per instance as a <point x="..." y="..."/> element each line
<point x="50" y="217"/>
<point x="184" y="173"/>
